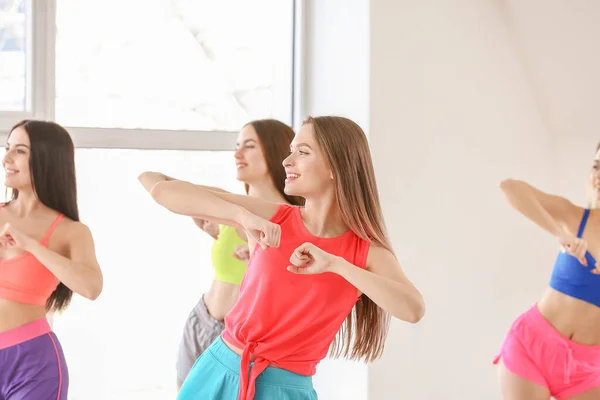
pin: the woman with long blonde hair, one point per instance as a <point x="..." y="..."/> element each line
<point x="311" y="269"/>
<point x="261" y="146"/>
<point x="553" y="349"/>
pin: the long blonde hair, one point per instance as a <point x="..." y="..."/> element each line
<point x="362" y="337"/>
<point x="590" y="188"/>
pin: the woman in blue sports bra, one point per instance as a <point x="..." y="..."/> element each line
<point x="553" y="349"/>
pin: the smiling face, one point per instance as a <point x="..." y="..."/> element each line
<point x="16" y="160"/>
<point x="594" y="181"/>
<point x="307" y="170"/>
<point x="250" y="161"/>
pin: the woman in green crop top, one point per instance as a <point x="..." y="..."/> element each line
<point x="261" y="147"/>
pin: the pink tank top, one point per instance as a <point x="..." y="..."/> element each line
<point x="285" y="319"/>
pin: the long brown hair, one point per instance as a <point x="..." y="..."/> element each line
<point x="275" y="138"/>
<point x="52" y="169"/>
<point x="345" y="145"/>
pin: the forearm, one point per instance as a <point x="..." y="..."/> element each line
<point x="85" y="280"/>
<point x="149" y="179"/>
<point x="212" y="188"/>
<point x="521" y="197"/>
<point x="196" y="201"/>
<point x="400" y="299"/>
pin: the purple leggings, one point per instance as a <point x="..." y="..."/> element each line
<point x="32" y="364"/>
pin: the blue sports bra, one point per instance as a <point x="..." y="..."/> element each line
<point x="572" y="278"/>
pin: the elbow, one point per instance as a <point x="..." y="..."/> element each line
<point x="157" y="191"/>
<point x="95" y="289"/>
<point x="93" y="295"/>
<point x="142" y="176"/>
<point x="510" y="185"/>
<point x="411" y="311"/>
<point x="150" y="179"/>
<point x="168" y="194"/>
<point x="506" y="184"/>
<point x="417" y="311"/>
<point x="93" y="292"/>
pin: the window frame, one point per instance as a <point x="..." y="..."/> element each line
<point x="42" y="95"/>
<point x="38" y="99"/>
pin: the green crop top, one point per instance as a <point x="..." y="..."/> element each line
<point x="227" y="268"/>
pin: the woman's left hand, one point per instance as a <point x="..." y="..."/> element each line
<point x="12" y="238"/>
<point x="242" y="253"/>
<point x="212" y="228"/>
<point x="308" y="259"/>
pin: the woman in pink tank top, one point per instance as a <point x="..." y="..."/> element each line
<point x="46" y="254"/>
<point x="321" y="278"/>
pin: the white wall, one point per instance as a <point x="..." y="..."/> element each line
<point x="453" y="110"/>
<point x="562" y="67"/>
<point x="458" y="96"/>
<point x="336" y="82"/>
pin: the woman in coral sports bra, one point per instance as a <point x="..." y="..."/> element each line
<point x="553" y="349"/>
<point x="311" y="268"/>
<point x="45" y="255"/>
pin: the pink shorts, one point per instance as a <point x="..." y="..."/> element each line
<point x="534" y="350"/>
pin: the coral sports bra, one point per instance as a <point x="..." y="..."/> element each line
<point x="26" y="280"/>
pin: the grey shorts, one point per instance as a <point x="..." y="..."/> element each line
<point x="200" y="330"/>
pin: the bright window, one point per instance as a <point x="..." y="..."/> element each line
<point x="129" y="74"/>
<point x="156" y="265"/>
<point x="14" y="54"/>
<point x="173" y="64"/>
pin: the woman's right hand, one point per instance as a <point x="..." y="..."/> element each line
<point x="262" y="231"/>
<point x="574" y="246"/>
<point x="209" y="227"/>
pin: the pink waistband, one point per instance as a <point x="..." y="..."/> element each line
<point x="24" y="333"/>
<point x="540" y="323"/>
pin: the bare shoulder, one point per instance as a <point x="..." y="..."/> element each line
<point x="573" y="215"/>
<point x="380" y="257"/>
<point x="569" y="208"/>
<point x="382" y="261"/>
<point x="377" y="252"/>
<point x="77" y="242"/>
<point x="74" y="231"/>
